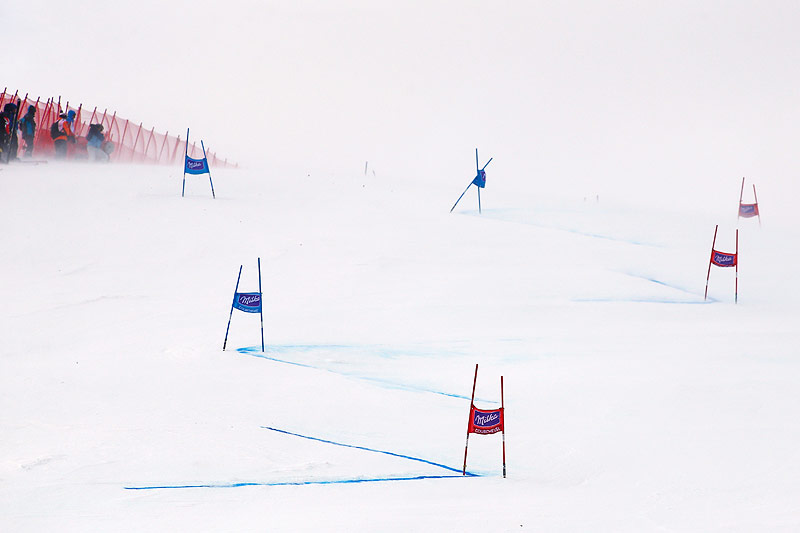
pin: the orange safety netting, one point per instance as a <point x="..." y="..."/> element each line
<point x="132" y="143"/>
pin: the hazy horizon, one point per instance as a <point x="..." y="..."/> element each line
<point x="578" y="91"/>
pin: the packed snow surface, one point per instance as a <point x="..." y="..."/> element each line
<point x="632" y="403"/>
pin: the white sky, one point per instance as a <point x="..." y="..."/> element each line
<point x="651" y="94"/>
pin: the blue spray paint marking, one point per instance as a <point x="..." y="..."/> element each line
<point x="698" y="301"/>
<point x="636" y="300"/>
<point x="659" y="282"/>
<point x="505" y="218"/>
<point x="600" y="236"/>
<point x="289" y="483"/>
<point x="458" y="473"/>
<point x="255" y="351"/>
<point x="367" y="449"/>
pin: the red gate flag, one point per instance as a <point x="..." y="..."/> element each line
<point x="724" y="259"/>
<point x="485" y="422"/>
<point x="749" y="210"/>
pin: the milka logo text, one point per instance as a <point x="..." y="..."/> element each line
<point x="723" y="259"/>
<point x="250" y="299"/>
<point x="194" y="165"/>
<point x="487" y="419"/>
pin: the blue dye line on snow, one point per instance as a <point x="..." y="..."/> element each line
<point x="289" y="483"/>
<point x="458" y="473"/>
<point x="698" y="301"/>
<point x="569" y="230"/>
<point x="659" y="282"/>
<point x="255" y="351"/>
<point x="367" y="449"/>
<point x="605" y="237"/>
<point x="638" y="301"/>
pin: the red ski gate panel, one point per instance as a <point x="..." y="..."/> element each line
<point x="485" y="422"/>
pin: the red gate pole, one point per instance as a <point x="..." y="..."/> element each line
<point x="471" y="404"/>
<point x="122" y="139"/>
<point x="36" y="133"/>
<point x="147" y="147"/>
<point x="174" y="155"/>
<point x="42" y="120"/>
<point x="14" y="101"/>
<point x="163" y="144"/>
<point x="20" y="107"/>
<point x="758" y="211"/>
<point x="94" y="113"/>
<point x="112" y="123"/>
<point x="736" y="287"/>
<point x="705" y="296"/>
<point x="503" y="410"/>
<point x="78" y="119"/>
<point x="741" y="195"/>
<point x="54" y="116"/>
<point x="136" y="141"/>
<point x="53" y="111"/>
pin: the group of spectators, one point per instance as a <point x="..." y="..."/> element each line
<point x="62" y="132"/>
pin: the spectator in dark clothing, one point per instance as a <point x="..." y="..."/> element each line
<point x="27" y="125"/>
<point x="12" y="142"/>
<point x="5" y="133"/>
<point x="94" y="143"/>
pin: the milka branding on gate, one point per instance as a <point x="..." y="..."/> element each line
<point x="196" y="166"/>
<point x="722" y="259"/>
<point x="486" y="422"/>
<point x="249" y="302"/>
<point x="748" y="210"/>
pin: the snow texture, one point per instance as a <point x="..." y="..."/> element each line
<point x="632" y="403"/>
<point x="620" y="132"/>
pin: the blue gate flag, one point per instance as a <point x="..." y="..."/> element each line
<point x="480" y="179"/>
<point x="196" y="166"/>
<point x="249" y="302"/>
